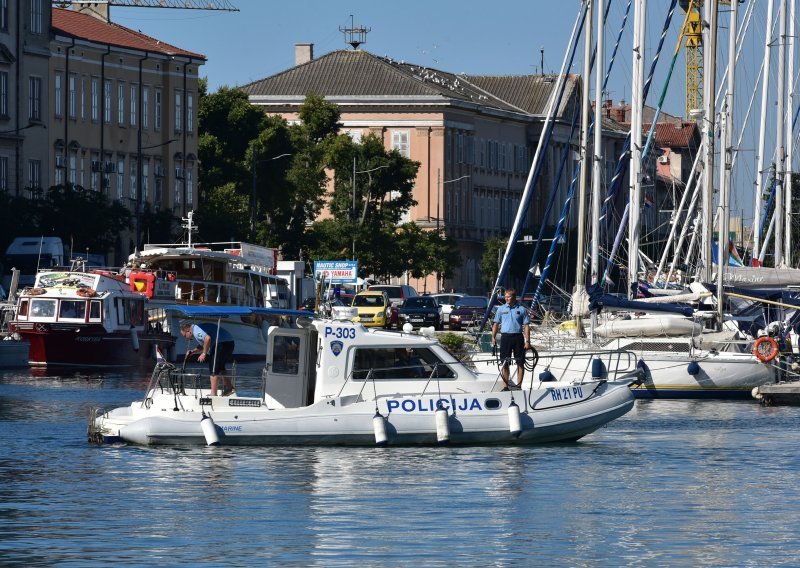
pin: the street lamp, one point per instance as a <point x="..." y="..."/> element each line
<point x="440" y="183"/>
<point x="253" y="206"/>
<point x="353" y="211"/>
<point x="18" y="140"/>
<point x="30" y="125"/>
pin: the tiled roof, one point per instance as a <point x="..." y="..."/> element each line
<point x="357" y="73"/>
<point x="84" y="26"/>
<point x="683" y="135"/>
<point x="528" y="92"/>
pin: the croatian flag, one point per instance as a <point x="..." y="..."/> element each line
<point x="648" y="200"/>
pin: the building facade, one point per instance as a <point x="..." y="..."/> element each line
<point x="24" y="78"/>
<point x="122" y="116"/>
<point x="474" y="137"/>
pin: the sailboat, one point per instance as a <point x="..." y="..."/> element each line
<point x="693" y="363"/>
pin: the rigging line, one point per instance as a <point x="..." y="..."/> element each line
<point x="538" y="160"/>
<point x="622" y="164"/>
<point x="557" y="181"/>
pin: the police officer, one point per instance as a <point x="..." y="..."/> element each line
<point x="513" y="322"/>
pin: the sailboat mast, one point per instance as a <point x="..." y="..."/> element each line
<point x="780" y="151"/>
<point x="726" y="164"/>
<point x="787" y="179"/>
<point x="709" y="87"/>
<point x="635" y="191"/>
<point x="757" y="228"/>
<point x="580" y="273"/>
<point x="597" y="169"/>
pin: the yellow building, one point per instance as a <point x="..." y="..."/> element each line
<point x="474" y="136"/>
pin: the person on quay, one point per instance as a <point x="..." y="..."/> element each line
<point x="513" y="323"/>
<point x="216" y="350"/>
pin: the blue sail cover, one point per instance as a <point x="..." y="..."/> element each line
<point x="598" y="300"/>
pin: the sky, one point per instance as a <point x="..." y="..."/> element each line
<point x="468" y="36"/>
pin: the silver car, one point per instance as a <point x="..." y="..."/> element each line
<point x="446" y="301"/>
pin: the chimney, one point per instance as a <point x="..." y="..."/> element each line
<point x="303" y="53"/>
<point x="97" y="9"/>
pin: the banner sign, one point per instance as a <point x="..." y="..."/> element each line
<point x="336" y="270"/>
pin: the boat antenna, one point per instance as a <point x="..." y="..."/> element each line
<point x="189" y="226"/>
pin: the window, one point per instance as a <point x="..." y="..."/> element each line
<point x="4" y="15"/>
<point x="145" y="105"/>
<point x="35" y="98"/>
<point x="34" y="175"/>
<point x="189" y="186"/>
<point x="121" y="103"/>
<point x="72" y="309"/>
<point x="58" y="173"/>
<point x="189" y="112"/>
<point x="286" y="355"/>
<point x="134" y="170"/>
<point x="4" y="94"/>
<point x="133" y="101"/>
<point x="107" y="101"/>
<point x="398" y="363"/>
<point x="95" y="99"/>
<point x="157" y="118"/>
<point x="95" y="310"/>
<point x="83" y="171"/>
<point x="3" y="173"/>
<point x="94" y="180"/>
<point x="120" y="178"/>
<point x="36" y="16"/>
<point x="57" y="94"/>
<point x="178" y="199"/>
<point x="145" y="176"/>
<point x="400" y="142"/>
<point x="178" y="117"/>
<point x="73" y="167"/>
<point x="83" y="98"/>
<point x="73" y="95"/>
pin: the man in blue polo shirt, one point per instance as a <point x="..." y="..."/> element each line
<point x="216" y="350"/>
<point x="513" y="322"/>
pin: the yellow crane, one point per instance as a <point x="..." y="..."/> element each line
<point x="694" y="52"/>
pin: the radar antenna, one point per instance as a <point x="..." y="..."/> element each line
<point x="353" y="35"/>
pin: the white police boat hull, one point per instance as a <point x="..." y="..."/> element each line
<point x="335" y="389"/>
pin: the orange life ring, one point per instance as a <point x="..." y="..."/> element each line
<point x="36" y="291"/>
<point x="86" y="293"/>
<point x="765" y="348"/>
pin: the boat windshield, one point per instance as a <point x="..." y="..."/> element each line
<point x="397" y="363"/>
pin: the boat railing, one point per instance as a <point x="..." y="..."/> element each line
<point x="433" y="373"/>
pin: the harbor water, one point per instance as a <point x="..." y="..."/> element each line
<point x="673" y="483"/>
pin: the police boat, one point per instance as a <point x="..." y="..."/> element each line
<point x="335" y="382"/>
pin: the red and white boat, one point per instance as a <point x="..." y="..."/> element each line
<point x="87" y="319"/>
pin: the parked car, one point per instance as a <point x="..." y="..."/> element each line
<point x="468" y="311"/>
<point x="398" y="293"/>
<point x="446" y="301"/>
<point x="374" y="309"/>
<point x="420" y="311"/>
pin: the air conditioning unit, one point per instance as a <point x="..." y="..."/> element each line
<point x="97" y="166"/>
<point x="61" y="162"/>
<point x="179" y="173"/>
<point x="111" y="167"/>
<point x="159" y="171"/>
<point x="663" y="160"/>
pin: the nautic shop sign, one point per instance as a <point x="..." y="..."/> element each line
<point x="336" y="270"/>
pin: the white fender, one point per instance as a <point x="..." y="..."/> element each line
<point x="379" y="426"/>
<point x="209" y="430"/>
<point x="135" y="339"/>
<point x="442" y="425"/>
<point x="514" y="424"/>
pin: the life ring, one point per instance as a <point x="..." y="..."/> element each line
<point x="36" y="291"/>
<point x="765" y="349"/>
<point x="86" y="293"/>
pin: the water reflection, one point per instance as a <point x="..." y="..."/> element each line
<point x="672" y="482"/>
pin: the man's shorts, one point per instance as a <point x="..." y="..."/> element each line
<point x="224" y="353"/>
<point x="512" y="343"/>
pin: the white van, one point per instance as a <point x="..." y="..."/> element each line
<point x="29" y="254"/>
